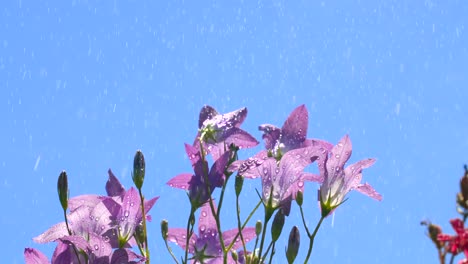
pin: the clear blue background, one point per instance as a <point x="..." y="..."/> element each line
<point x="83" y="84"/>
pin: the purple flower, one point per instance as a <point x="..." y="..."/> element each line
<point x="205" y="247"/>
<point x="98" y="224"/>
<point x="281" y="180"/>
<point x="65" y="254"/>
<point x="291" y="136"/>
<point x="218" y="131"/>
<point x="196" y="183"/>
<point x="338" y="181"/>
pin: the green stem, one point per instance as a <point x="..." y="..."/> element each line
<point x="143" y="213"/>
<point x="311" y="239"/>
<point x="268" y="215"/>
<point x="303" y="221"/>
<point x="189" y="232"/>
<point x="170" y="251"/>
<point x="239" y="229"/>
<point x="213" y="211"/>
<point x="243" y="226"/>
<point x="70" y="233"/>
<point x="272" y="253"/>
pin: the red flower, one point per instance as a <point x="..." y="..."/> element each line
<point x="458" y="242"/>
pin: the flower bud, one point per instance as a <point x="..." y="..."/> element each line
<point x="234" y="255"/>
<point x="238" y="184"/>
<point x="138" y="175"/>
<point x="258" y="228"/>
<point x="277" y="226"/>
<point x="62" y="189"/>
<point x="164" y="229"/>
<point x="299" y="198"/>
<point x="140" y="234"/>
<point x="293" y="244"/>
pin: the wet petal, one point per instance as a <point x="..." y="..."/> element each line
<point x="113" y="185"/>
<point x="34" y="256"/>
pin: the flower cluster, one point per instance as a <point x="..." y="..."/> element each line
<point x="452" y="245"/>
<point x="104" y="229"/>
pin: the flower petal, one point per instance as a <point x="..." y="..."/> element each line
<point x="55" y="232"/>
<point x="294" y="129"/>
<point x="179" y="237"/>
<point x="248" y="234"/>
<point x="207" y="112"/>
<point x="369" y="191"/>
<point x="181" y="181"/>
<point x="271" y="135"/>
<point x="113" y="185"/>
<point x="34" y="256"/>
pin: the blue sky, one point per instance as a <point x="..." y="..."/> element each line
<point x="83" y="84"/>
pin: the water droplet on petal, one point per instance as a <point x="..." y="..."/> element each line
<point x="202" y="228"/>
<point x="265" y="171"/>
<point x="96" y="247"/>
<point x="126" y="213"/>
<point x="337" y="156"/>
<point x="300" y="184"/>
<point x="204" y="213"/>
<point x="132" y="204"/>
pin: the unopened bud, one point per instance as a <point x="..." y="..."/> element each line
<point x="293" y="244"/>
<point x="140" y="235"/>
<point x="164" y="229"/>
<point x="277" y="226"/>
<point x="238" y="184"/>
<point x="62" y="189"/>
<point x="234" y="255"/>
<point x="299" y="198"/>
<point x="258" y="228"/>
<point x="138" y="175"/>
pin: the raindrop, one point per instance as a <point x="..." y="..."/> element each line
<point x="202" y="228"/>
<point x="103" y="227"/>
<point x="337" y="169"/>
<point x="277" y="170"/>
<point x="126" y="213"/>
<point x="338" y="156"/>
<point x="91" y="217"/>
<point x="106" y="239"/>
<point x="97" y="219"/>
<point x="96" y="247"/>
<point x="306" y="152"/>
<point x="204" y="213"/>
<point x="132" y="204"/>
<point x="300" y="184"/>
<point x="265" y="171"/>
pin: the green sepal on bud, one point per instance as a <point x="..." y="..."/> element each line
<point x="164" y="229"/>
<point x="277" y="226"/>
<point x="234" y="255"/>
<point x="238" y="184"/>
<point x="140" y="235"/>
<point x="293" y="244"/>
<point x="258" y="228"/>
<point x="138" y="175"/>
<point x="62" y="189"/>
<point x="299" y="198"/>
